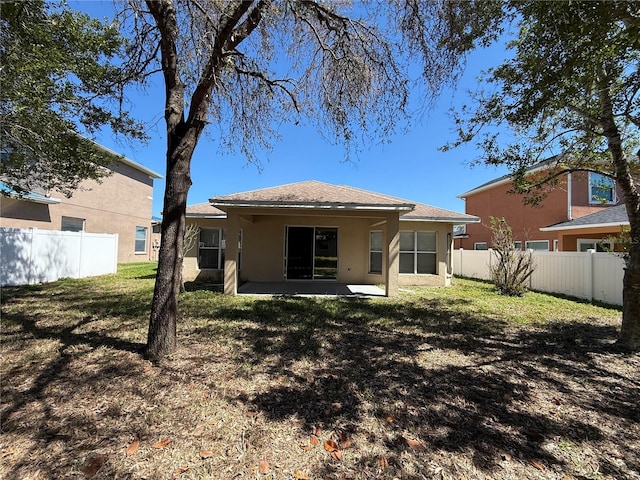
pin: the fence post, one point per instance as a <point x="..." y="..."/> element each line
<point x="590" y="272"/>
<point x="115" y="253"/>
<point x="80" y="253"/>
<point x="461" y="269"/>
<point x="530" y="251"/>
<point x="30" y="269"/>
<point x="490" y="261"/>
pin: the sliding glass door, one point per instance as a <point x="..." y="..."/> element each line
<point x="312" y="253"/>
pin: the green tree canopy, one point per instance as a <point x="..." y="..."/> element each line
<point x="571" y="94"/>
<point x="60" y="75"/>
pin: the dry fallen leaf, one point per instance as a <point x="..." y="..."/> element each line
<point x="389" y="419"/>
<point x="251" y="414"/>
<point x="263" y="467"/>
<point x="342" y="436"/>
<point x="314" y="440"/>
<point x="537" y="464"/>
<point x="318" y="432"/>
<point x="416" y="444"/>
<point x="300" y="475"/>
<point x="384" y="463"/>
<point x="306" y="448"/>
<point x="206" y="453"/>
<point x="330" y="446"/>
<point x="345" y="444"/>
<point x="180" y="471"/>
<point x="133" y="447"/>
<point x="337" y="455"/>
<point x="93" y="465"/>
<point x="162" y="443"/>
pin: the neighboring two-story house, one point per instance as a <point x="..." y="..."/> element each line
<point x="592" y="198"/>
<point x="121" y="203"/>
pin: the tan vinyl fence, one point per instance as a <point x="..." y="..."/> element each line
<point x="589" y="275"/>
<point x="30" y="255"/>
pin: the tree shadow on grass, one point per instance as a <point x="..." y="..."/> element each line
<point x="93" y="330"/>
<point x="458" y="383"/>
<point x="61" y="326"/>
<point x="461" y="383"/>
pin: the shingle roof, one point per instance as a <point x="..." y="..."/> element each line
<point x="314" y="194"/>
<point x="204" y="210"/>
<point x="610" y="216"/>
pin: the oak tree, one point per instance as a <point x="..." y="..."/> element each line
<point x="571" y="94"/>
<point x="243" y="67"/>
<point x="61" y="75"/>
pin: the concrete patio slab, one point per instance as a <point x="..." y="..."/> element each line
<point x="309" y="289"/>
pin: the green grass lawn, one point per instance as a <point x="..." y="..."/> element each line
<point x="455" y="382"/>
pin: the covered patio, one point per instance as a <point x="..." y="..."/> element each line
<point x="310" y="289"/>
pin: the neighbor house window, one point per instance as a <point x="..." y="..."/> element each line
<point x="141" y="240"/>
<point x="517" y="245"/>
<point x="211" y="248"/>
<point x="72" y="224"/>
<point x="375" y="252"/>
<point x="542" y="245"/>
<point x="597" y="245"/>
<point x="480" y="246"/>
<point x="418" y="252"/>
<point x="602" y="189"/>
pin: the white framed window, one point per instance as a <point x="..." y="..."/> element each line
<point x="480" y="246"/>
<point x="418" y="253"/>
<point x="541" y="245"/>
<point x="375" y="251"/>
<point x="141" y="240"/>
<point x="517" y="245"/>
<point x="211" y="249"/>
<point x="585" y="244"/>
<point x="602" y="189"/>
<point x="72" y="224"/>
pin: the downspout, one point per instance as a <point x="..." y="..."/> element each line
<point x="569" y="214"/>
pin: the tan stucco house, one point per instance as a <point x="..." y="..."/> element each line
<point x="314" y="231"/>
<point x="120" y="204"/>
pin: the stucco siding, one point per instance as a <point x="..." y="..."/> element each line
<point x="524" y="220"/>
<point x="263" y="247"/>
<point x="117" y="204"/>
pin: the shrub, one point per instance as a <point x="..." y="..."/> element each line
<point x="512" y="268"/>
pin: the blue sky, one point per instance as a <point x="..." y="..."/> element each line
<point x="408" y="166"/>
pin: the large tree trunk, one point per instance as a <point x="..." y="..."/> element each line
<point x="630" y="331"/>
<point x="161" y="339"/>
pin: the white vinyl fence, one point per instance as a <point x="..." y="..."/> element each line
<point x="589" y="275"/>
<point x="31" y="255"/>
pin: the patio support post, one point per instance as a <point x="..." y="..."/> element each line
<point x="231" y="254"/>
<point x="393" y="255"/>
